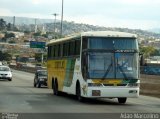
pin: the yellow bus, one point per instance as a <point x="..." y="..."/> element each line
<point x="96" y="64"/>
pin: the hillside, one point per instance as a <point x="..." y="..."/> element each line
<point x="47" y="25"/>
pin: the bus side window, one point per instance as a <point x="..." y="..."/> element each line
<point x="52" y="51"/>
<point x="84" y="43"/>
<point x="49" y="52"/>
<point x="65" y="49"/>
<point x="77" y="47"/>
<point x="61" y="50"/>
<point x="71" y="48"/>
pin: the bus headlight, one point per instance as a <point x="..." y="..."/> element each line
<point x="94" y="84"/>
<point x="134" y="84"/>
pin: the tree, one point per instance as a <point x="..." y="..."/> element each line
<point x="149" y="51"/>
<point x="5" y="56"/>
<point x="38" y="57"/>
<point x="37" y="34"/>
<point x="2" y="24"/>
<point x="11" y="41"/>
<point x="9" y="35"/>
<point x="9" y="26"/>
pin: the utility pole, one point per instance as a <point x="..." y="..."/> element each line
<point x="55" y="14"/>
<point x="62" y="20"/>
<point x="35" y="27"/>
<point x="14" y="18"/>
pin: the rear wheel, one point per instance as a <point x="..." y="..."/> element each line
<point x="55" y="88"/>
<point x="122" y="100"/>
<point x="34" y="83"/>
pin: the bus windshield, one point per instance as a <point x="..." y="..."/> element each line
<point x="108" y="65"/>
<point x="111" y="58"/>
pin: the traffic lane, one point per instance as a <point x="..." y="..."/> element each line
<point x="48" y="103"/>
<point x="22" y="83"/>
<point x="20" y="96"/>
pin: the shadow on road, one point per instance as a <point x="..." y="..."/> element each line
<point x="101" y="101"/>
<point x="4" y="80"/>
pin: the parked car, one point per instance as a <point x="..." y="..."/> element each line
<point x="40" y="78"/>
<point x="5" y="73"/>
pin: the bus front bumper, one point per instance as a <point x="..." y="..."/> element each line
<point x="112" y="92"/>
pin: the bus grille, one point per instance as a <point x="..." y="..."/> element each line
<point x="114" y="85"/>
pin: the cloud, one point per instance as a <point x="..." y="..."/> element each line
<point x="101" y="20"/>
<point x="5" y="12"/>
<point x="120" y="13"/>
<point x="36" y="2"/>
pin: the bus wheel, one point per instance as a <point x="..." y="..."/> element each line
<point x="55" y="88"/>
<point x="122" y="100"/>
<point x="34" y="83"/>
<point x="78" y="93"/>
<point x="38" y="84"/>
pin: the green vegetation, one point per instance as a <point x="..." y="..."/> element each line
<point x="5" y="56"/>
<point x="38" y="57"/>
<point x="9" y="35"/>
<point x="149" y="51"/>
<point x="4" y="26"/>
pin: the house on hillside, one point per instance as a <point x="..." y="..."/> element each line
<point x="1" y="35"/>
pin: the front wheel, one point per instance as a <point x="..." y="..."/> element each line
<point x="78" y="93"/>
<point x="122" y="100"/>
<point x="9" y="79"/>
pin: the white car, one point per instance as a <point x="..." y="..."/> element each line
<point x="5" y="73"/>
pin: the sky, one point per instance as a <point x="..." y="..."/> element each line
<point x="134" y="14"/>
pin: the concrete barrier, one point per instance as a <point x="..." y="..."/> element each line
<point x="23" y="68"/>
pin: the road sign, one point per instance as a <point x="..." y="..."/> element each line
<point x="35" y="44"/>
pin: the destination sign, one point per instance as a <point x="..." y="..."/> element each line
<point x="126" y="50"/>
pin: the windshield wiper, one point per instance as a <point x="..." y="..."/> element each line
<point x="107" y="71"/>
<point x="120" y="68"/>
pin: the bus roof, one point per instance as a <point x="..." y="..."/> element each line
<point x="95" y="34"/>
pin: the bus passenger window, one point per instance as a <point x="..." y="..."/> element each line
<point x="78" y="43"/>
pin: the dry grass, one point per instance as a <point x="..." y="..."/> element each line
<point x="150" y="85"/>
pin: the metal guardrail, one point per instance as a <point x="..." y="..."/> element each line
<point x="150" y="70"/>
<point x="23" y="68"/>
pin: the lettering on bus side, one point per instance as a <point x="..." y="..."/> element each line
<point x="59" y="65"/>
<point x="130" y="50"/>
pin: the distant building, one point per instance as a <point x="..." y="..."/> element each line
<point x="153" y="60"/>
<point x="1" y="35"/>
<point x="17" y="34"/>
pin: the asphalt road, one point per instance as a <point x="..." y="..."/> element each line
<point x="19" y="96"/>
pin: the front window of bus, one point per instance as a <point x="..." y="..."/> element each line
<point x="112" y="58"/>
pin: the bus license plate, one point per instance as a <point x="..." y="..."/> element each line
<point x="96" y="92"/>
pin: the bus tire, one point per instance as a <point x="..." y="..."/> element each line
<point x="38" y="84"/>
<point x="10" y="79"/>
<point x="122" y="100"/>
<point x="55" y="88"/>
<point x="78" y="93"/>
<point x="34" y="83"/>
